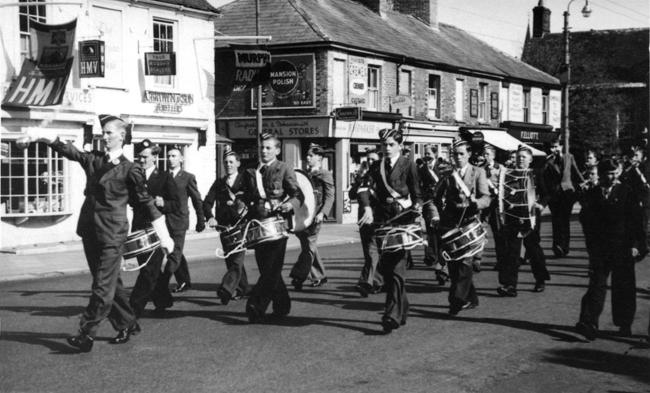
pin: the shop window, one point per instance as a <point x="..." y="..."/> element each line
<point x="33" y="181"/>
<point x="482" y="101"/>
<point x="25" y="13"/>
<point x="162" y="163"/>
<point x="460" y="99"/>
<point x="545" y="109"/>
<point x="374" y="78"/>
<point x="163" y="41"/>
<point x="526" y="106"/>
<point x="433" y="99"/>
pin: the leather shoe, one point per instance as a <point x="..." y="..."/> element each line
<point x="389" y="324"/>
<point x="182" y="287"/>
<point x="558" y="251"/>
<point x="319" y="283"/>
<point x="297" y="284"/>
<point x="124" y="335"/>
<point x="539" y="286"/>
<point x="589" y="331"/>
<point x="363" y="289"/>
<point x="224" y="296"/>
<point x="254" y="315"/>
<point x="507" y="291"/>
<point x="81" y="341"/>
<point x="456" y="308"/>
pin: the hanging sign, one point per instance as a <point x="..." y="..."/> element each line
<point x="91" y="59"/>
<point x="291" y="83"/>
<point x="42" y="81"/>
<point x="240" y="67"/>
<point x="160" y="63"/>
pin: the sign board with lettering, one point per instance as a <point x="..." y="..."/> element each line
<point x="167" y="102"/>
<point x="401" y="104"/>
<point x="42" y="81"/>
<point x="240" y="67"/>
<point x="555" y="108"/>
<point x="358" y="80"/>
<point x="317" y="127"/>
<point x="91" y="59"/>
<point x="348" y="113"/>
<point x="535" y="105"/>
<point x="516" y="102"/>
<point x="160" y="63"/>
<point x="291" y="84"/>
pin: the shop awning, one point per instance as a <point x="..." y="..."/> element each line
<point x="505" y="141"/>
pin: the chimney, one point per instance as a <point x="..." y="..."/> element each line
<point x="424" y="10"/>
<point x="541" y="20"/>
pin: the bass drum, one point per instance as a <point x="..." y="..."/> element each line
<point x="303" y="213"/>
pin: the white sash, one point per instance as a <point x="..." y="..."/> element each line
<point x="461" y="183"/>
<point x="258" y="180"/>
<point x="405" y="202"/>
<point x="435" y="177"/>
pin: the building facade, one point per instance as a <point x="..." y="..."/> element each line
<point x="342" y="70"/>
<point x="608" y="99"/>
<point x="40" y="193"/>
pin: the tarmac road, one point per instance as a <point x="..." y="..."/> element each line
<point x="332" y="341"/>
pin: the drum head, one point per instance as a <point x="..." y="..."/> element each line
<point x="303" y="213"/>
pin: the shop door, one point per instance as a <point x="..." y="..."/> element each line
<point x="329" y="163"/>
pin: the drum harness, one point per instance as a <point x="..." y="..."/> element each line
<point x="513" y="191"/>
<point x="406" y="203"/>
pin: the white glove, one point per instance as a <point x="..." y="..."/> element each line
<point x="166" y="241"/>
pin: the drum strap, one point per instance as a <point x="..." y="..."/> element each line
<point x="433" y="174"/>
<point x="405" y="202"/>
<point x="260" y="184"/>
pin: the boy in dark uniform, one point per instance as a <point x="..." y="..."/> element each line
<point x="615" y="238"/>
<point x="309" y="263"/>
<point x="462" y="194"/>
<point x="392" y="187"/>
<point x="225" y="195"/>
<point x="269" y="189"/>
<point x="429" y="178"/>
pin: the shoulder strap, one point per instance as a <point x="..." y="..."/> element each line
<point x="382" y="171"/>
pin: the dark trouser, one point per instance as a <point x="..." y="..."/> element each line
<point x="431" y="251"/>
<point x="369" y="273"/>
<point x="235" y="279"/>
<point x="108" y="298"/>
<point x="462" y="288"/>
<point x="509" y="267"/>
<point x="617" y="260"/>
<point x="151" y="284"/>
<point x="270" y="286"/>
<point x="309" y="262"/>
<point x="561" y="206"/>
<point x="393" y="268"/>
<point x="499" y="241"/>
<point x="178" y="262"/>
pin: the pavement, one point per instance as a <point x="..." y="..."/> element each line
<point x="49" y="260"/>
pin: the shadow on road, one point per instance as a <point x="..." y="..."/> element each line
<point x="598" y="360"/>
<point x="60" y="311"/>
<point x="54" y="341"/>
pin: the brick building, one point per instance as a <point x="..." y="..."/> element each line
<point x="392" y="60"/>
<point x="608" y="98"/>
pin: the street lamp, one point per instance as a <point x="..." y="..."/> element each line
<point x="586" y="11"/>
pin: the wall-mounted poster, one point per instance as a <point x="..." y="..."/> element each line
<point x="291" y="84"/>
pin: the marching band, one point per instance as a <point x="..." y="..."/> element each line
<point x="445" y="207"/>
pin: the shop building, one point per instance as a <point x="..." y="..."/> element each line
<point x="342" y="70"/>
<point x="40" y="193"/>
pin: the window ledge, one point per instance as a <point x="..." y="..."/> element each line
<point x="21" y="218"/>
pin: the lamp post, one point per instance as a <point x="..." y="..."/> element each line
<point x="586" y="11"/>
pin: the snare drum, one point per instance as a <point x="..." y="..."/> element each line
<point x="465" y="241"/>
<point x="232" y="238"/>
<point x="263" y="231"/>
<point x="399" y="237"/>
<point x="516" y="195"/>
<point x="138" y="243"/>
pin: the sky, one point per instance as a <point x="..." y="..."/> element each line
<point x="502" y="23"/>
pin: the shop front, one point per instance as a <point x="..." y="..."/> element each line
<point x="537" y="135"/>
